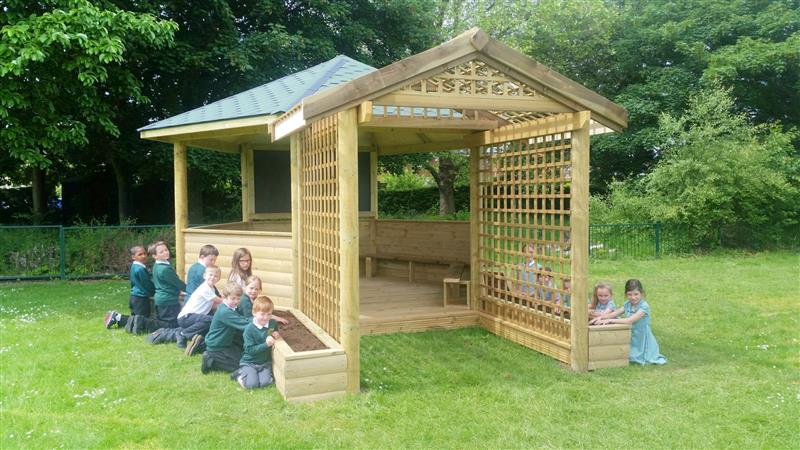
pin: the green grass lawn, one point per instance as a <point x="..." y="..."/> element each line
<point x="727" y="323"/>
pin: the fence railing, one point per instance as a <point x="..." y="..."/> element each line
<point x="85" y="252"/>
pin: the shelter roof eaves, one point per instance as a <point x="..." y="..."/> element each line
<point x="274" y="97"/>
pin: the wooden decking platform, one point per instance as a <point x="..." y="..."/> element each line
<point x="393" y="305"/>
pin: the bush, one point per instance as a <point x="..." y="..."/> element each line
<point x="29" y="251"/>
<point x="721" y="178"/>
<point x="100" y="250"/>
<point x="418" y="201"/>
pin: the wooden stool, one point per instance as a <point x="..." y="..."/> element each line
<point x="457" y="282"/>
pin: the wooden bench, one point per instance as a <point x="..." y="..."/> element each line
<point x="371" y="259"/>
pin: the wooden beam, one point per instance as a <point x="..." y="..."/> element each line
<point x="197" y="130"/>
<point x="365" y="112"/>
<point x="347" y="155"/>
<point x="288" y="123"/>
<point x="420" y="66"/>
<point x="579" y="235"/>
<point x="488" y="102"/>
<point x="296" y="146"/>
<point x="217" y="146"/>
<point x="373" y="182"/>
<point x="425" y="147"/>
<point x="474" y="231"/>
<point x="181" y="206"/>
<point x="248" y="183"/>
<point x="553" y="84"/>
<point x="431" y="124"/>
<point x="559" y="123"/>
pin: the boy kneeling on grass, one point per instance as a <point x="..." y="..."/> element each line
<point x="141" y="290"/>
<point x="224" y="339"/>
<point x="255" y="367"/>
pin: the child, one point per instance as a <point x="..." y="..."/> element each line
<point x="528" y="271"/>
<point x="255" y="367"/>
<point x="194" y="278"/>
<point x="241" y="267"/>
<point x="251" y="290"/>
<point x="224" y="339"/>
<point x="545" y="285"/>
<point x="601" y="301"/>
<point x="644" y="348"/>
<point x="169" y="288"/>
<point x="141" y="290"/>
<point x="195" y="317"/>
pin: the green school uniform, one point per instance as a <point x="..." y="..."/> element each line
<point x="225" y="326"/>
<point x="245" y="307"/>
<point x="167" y="284"/>
<point x="256" y="350"/>
<point x="141" y="283"/>
<point x="194" y="277"/>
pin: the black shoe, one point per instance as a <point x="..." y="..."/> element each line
<point x="205" y="365"/>
<point x="129" y="324"/>
<point x="156" y="336"/>
<point x="195" y="345"/>
<point x="110" y="319"/>
<point x="180" y="340"/>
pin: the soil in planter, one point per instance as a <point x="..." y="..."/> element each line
<point x="297" y="335"/>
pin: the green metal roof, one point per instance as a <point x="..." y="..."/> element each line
<point x="274" y="97"/>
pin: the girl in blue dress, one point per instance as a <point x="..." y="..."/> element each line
<point x="644" y="348"/>
<point x="602" y="301"/>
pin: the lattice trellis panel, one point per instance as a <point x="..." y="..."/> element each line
<point x="473" y="78"/>
<point x="524" y="239"/>
<point x="319" y="216"/>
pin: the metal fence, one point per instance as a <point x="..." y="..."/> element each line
<point x="85" y="252"/>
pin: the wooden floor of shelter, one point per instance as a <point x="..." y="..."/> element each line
<point x="393" y="305"/>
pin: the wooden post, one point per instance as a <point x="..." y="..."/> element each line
<point x="373" y="188"/>
<point x="295" y="147"/>
<point x="347" y="155"/>
<point x="248" y="185"/>
<point x="181" y="206"/>
<point x="474" y="231"/>
<point x="579" y="224"/>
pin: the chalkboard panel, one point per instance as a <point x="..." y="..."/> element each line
<point x="273" y="182"/>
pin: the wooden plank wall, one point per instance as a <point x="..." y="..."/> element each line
<point x="448" y="240"/>
<point x="272" y="257"/>
<point x="609" y="346"/>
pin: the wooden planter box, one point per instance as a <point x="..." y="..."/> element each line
<point x="310" y="375"/>
<point x="609" y="346"/>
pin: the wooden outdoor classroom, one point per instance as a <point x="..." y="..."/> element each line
<point x="309" y="145"/>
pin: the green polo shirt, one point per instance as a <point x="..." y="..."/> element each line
<point x="225" y="326"/>
<point x="256" y="350"/>
<point x="167" y="284"/>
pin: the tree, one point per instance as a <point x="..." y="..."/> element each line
<point x="62" y="65"/>
<point x="444" y="167"/>
<point x="718" y="172"/>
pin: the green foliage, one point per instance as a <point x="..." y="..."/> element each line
<point x="719" y="174"/>
<point x="29" y="251"/>
<point x="62" y="68"/>
<point x="99" y="250"/>
<point x="731" y="380"/>
<point x="407" y="204"/>
<point x="404" y="181"/>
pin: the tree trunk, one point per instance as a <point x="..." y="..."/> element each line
<point x="445" y="177"/>
<point x="37" y="192"/>
<point x="123" y="187"/>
